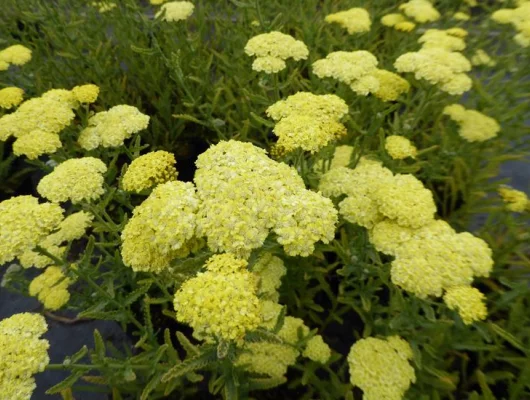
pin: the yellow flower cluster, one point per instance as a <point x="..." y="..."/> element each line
<point x="355" y="20"/>
<point x="77" y="180"/>
<point x="103" y="6"/>
<point x="220" y="302"/>
<point x="397" y="21"/>
<point x="272" y="49"/>
<point x="428" y="265"/>
<point x="474" y="126"/>
<point x="317" y="350"/>
<point x="450" y="39"/>
<point x="176" y="11"/>
<point x="16" y="55"/>
<point x="71" y="228"/>
<point x="461" y="16"/>
<point x="51" y="288"/>
<point x="86" y="93"/>
<point x="519" y="17"/>
<point x="266" y="358"/>
<point x="41" y="119"/>
<point x="111" y="128"/>
<point x="381" y="368"/>
<point x="341" y="156"/>
<point x="482" y="58"/>
<point x="438" y="67"/>
<point x="149" y="170"/>
<point x="160" y="228"/>
<point x="468" y="301"/>
<point x="358" y="69"/>
<point x="420" y="10"/>
<point x="308" y="121"/>
<point x="22" y="354"/>
<point x="11" y="97"/>
<point x="244" y="195"/>
<point x="293" y="330"/>
<point x="374" y="193"/>
<point x="515" y="200"/>
<point x="24" y="224"/>
<point x="399" y="147"/>
<point x="269" y="269"/>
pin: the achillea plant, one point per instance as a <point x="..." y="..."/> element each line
<point x="271" y="199"/>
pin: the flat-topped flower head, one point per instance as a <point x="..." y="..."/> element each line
<point x="272" y="49"/>
<point x="51" y="288"/>
<point x="439" y="67"/>
<point x="86" y="93"/>
<point x="305" y="103"/>
<point x="450" y="40"/>
<point x="244" y="195"/>
<point x="355" y="20"/>
<point x="161" y="227"/>
<point x="346" y="67"/>
<point x="515" y="200"/>
<point x="22" y="354"/>
<point x="176" y="11"/>
<point x="420" y="10"/>
<point x="265" y="358"/>
<point x="480" y="57"/>
<point x="111" y="128"/>
<point x="24" y="224"/>
<point x="149" y="170"/>
<point x="399" y="147"/>
<point x="49" y="113"/>
<point x="381" y="367"/>
<point x="11" y="97"/>
<point x="218" y="303"/>
<point x="269" y="270"/>
<point x="16" y="55"/>
<point x="390" y="85"/>
<point x="468" y="302"/>
<point x="474" y="126"/>
<point x="317" y="350"/>
<point x="75" y="180"/>
<point x="36" y="143"/>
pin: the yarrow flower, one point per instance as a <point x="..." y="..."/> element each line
<point x="317" y="350"/>
<point x="103" y="6"/>
<point x="22" y="354"/>
<point x="175" y="11"/>
<point x="399" y="147"/>
<point x="16" y="55"/>
<point x="474" y="126"/>
<point x="381" y="367"/>
<point x="272" y="49"/>
<point x="442" y="39"/>
<point x="161" y="227"/>
<point x="398" y="22"/>
<point x="36" y="143"/>
<point x="149" y="170"/>
<point x="515" y="200"/>
<point x="269" y="269"/>
<point x="71" y="228"/>
<point x="519" y="17"/>
<point x="420" y="10"/>
<point x="244" y="195"/>
<point x="50" y="113"/>
<point x="220" y="302"/>
<point x="358" y="69"/>
<point x="265" y="358"/>
<point x="468" y="302"/>
<point x="24" y="224"/>
<point x="439" y="67"/>
<point x="51" y="288"/>
<point x="482" y="58"/>
<point x="461" y="16"/>
<point x="11" y="97"/>
<point x="355" y="20"/>
<point x="111" y="128"/>
<point x="77" y="180"/>
<point x="86" y="93"/>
